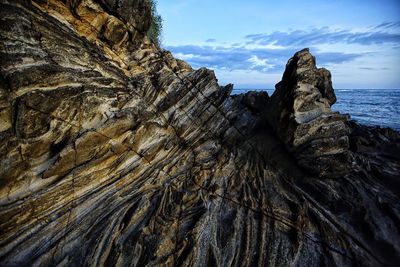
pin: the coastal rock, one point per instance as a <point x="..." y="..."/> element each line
<point x="113" y="153"/>
<point x="300" y="113"/>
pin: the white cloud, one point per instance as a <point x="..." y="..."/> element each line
<point x="184" y="56"/>
<point x="260" y="62"/>
<point x="357" y="58"/>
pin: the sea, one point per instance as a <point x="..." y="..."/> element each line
<point x="375" y="107"/>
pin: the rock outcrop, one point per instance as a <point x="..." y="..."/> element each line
<point x="300" y="113"/>
<point x="112" y="152"/>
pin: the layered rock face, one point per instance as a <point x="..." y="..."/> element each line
<point x="115" y="153"/>
<point x="300" y="113"/>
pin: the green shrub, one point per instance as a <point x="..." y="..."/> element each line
<point x="154" y="32"/>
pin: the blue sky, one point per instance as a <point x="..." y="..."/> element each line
<point x="249" y="42"/>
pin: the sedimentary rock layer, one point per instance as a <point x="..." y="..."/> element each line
<point x="299" y="111"/>
<point x="112" y="152"/>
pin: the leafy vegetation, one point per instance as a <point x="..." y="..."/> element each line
<point x="154" y="33"/>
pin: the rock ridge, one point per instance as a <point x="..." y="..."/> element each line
<point x="300" y="113"/>
<point x="113" y="152"/>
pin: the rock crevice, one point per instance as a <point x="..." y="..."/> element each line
<point x="112" y="152"/>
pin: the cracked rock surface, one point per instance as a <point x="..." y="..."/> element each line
<point x="112" y="152"/>
<point x="300" y="112"/>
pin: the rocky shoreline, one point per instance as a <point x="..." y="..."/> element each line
<point x="115" y="153"/>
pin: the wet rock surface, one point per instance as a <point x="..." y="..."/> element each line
<point x="112" y="152"/>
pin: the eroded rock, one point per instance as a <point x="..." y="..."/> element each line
<point x="300" y="113"/>
<point x="112" y="152"/>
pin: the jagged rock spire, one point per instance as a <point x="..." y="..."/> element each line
<point x="300" y="112"/>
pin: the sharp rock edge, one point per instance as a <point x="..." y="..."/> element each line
<point x="112" y="152"/>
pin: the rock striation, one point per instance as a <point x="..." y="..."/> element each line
<point x="300" y="113"/>
<point x="112" y="152"/>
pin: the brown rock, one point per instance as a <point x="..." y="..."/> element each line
<point x="112" y="152"/>
<point x="300" y="113"/>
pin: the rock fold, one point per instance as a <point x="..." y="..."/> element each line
<point x="114" y="153"/>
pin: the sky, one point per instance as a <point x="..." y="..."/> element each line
<point x="248" y="42"/>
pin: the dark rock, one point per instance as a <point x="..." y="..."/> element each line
<point x="255" y="101"/>
<point x="113" y="153"/>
